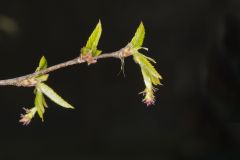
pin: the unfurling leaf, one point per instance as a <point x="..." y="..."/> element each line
<point x="95" y="36"/>
<point x="39" y="104"/>
<point x="51" y="94"/>
<point x="97" y="53"/>
<point x="142" y="60"/>
<point x="138" y="38"/>
<point x="44" y="102"/>
<point x="149" y="58"/>
<point x="42" y="64"/>
<point x="92" y="43"/>
<point x="150" y="76"/>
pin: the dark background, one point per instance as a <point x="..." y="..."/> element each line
<point x="196" y="45"/>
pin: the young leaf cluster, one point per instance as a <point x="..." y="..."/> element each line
<point x="41" y="90"/>
<point x="150" y="75"/>
<point x="90" y="50"/>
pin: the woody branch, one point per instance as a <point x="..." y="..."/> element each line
<point x="20" y="81"/>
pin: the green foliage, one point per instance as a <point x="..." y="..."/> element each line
<point x="147" y="67"/>
<point x="150" y="75"/>
<point x="40" y="90"/>
<point x="42" y="64"/>
<point x="40" y="103"/>
<point x="138" y="38"/>
<point x="51" y="94"/>
<point x="92" y="43"/>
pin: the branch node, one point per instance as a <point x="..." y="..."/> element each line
<point x="126" y="51"/>
<point x="30" y="82"/>
<point x="87" y="58"/>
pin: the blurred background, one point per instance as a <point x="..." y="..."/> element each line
<point x="196" y="116"/>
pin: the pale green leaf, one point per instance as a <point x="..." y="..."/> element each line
<point x="51" y="94"/>
<point x="138" y="38"/>
<point x="95" y="36"/>
<point x="97" y="53"/>
<point x="42" y="64"/>
<point x="146" y="78"/>
<point x="93" y="41"/>
<point x="39" y="104"/>
<point x="149" y="58"/>
<point x="85" y="50"/>
<point x="44" y="102"/>
<point x="35" y="90"/>
<point x="155" y="80"/>
<point x="144" y="63"/>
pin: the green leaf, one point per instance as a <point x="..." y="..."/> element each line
<point x="85" y="50"/>
<point x="146" y="78"/>
<point x="150" y="76"/>
<point x="93" y="40"/>
<point x="138" y="38"/>
<point x="95" y="36"/>
<point x="51" y="94"/>
<point x="39" y="104"/>
<point x="147" y="66"/>
<point x="44" y="102"/>
<point x="149" y="58"/>
<point x="97" y="53"/>
<point x="42" y="64"/>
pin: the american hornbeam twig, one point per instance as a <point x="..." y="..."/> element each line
<point x="89" y="54"/>
<point x="120" y="54"/>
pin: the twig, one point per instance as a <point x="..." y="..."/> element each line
<point x="29" y="80"/>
